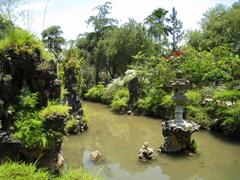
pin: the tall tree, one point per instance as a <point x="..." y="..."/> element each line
<point x="52" y="37"/>
<point x="220" y="25"/>
<point x="119" y="45"/>
<point x="176" y="26"/>
<point x="8" y="9"/>
<point x="157" y="25"/>
<point x="101" y="23"/>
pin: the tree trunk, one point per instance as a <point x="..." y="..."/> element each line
<point x="97" y="78"/>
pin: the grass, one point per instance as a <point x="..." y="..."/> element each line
<point x="55" y="109"/>
<point x="22" y="171"/>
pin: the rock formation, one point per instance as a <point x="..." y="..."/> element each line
<point x="20" y="68"/>
<point x="177" y="138"/>
<point x="146" y="153"/>
<point x="134" y="92"/>
<point x="96" y="156"/>
<point x="177" y="132"/>
<point x="73" y="100"/>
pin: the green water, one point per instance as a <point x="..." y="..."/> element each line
<point x="119" y="138"/>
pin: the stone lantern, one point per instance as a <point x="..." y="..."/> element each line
<point x="179" y="86"/>
<point x="177" y="132"/>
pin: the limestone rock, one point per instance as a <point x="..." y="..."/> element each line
<point x="96" y="156"/>
<point x="146" y="153"/>
<point x="73" y="100"/>
<point x="134" y="91"/>
<point x="60" y="160"/>
<point x="177" y="137"/>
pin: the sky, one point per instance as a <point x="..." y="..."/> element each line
<point x="71" y="15"/>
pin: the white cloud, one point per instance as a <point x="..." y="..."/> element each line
<point x="72" y="18"/>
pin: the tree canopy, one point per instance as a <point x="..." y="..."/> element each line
<point x="52" y="37"/>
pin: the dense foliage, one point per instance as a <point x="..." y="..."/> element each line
<point x="209" y="59"/>
<point x="98" y="65"/>
<point x="53" y="40"/>
<point x="29" y="126"/>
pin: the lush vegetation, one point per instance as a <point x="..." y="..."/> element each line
<point x="13" y="170"/>
<point x="55" y="109"/>
<point x="29" y="127"/>
<point x="209" y="59"/>
<point x="100" y="65"/>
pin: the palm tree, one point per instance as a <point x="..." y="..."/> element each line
<point x="157" y="24"/>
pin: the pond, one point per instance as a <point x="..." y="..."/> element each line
<point x="119" y="138"/>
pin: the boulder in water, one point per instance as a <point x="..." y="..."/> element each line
<point x="96" y="156"/>
<point x="146" y="153"/>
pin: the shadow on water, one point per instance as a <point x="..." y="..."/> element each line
<point x="224" y="138"/>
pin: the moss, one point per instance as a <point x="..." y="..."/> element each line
<point x="55" y="109"/>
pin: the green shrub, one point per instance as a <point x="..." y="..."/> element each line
<point x="55" y="109"/>
<point x="227" y="95"/>
<point x="167" y="101"/>
<point x="30" y="131"/>
<point x="141" y="105"/>
<point x="29" y="125"/>
<point x="13" y="170"/>
<point x="154" y="99"/>
<point x="120" y="100"/>
<point x="96" y="93"/>
<point x="231" y="120"/>
<point x="28" y="100"/>
<point x="194" y="97"/>
<point x="198" y="115"/>
<point x="167" y="106"/>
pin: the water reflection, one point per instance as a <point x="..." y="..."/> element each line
<point x="119" y="138"/>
